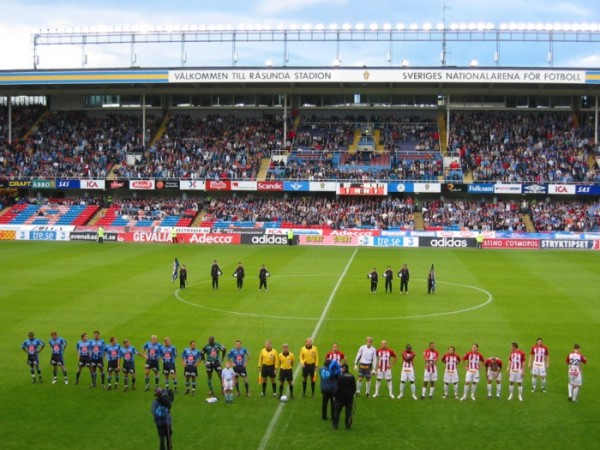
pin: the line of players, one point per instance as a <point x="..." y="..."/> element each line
<point x="369" y="361"/>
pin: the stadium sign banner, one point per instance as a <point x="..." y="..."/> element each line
<point x="209" y="238"/>
<point x="8" y="235"/>
<point x="322" y="186"/>
<point x="91" y="236"/>
<point x="379" y="75"/>
<point x="380" y="241"/>
<point x="93" y="184"/>
<point x="401" y="187"/>
<point x="447" y="242"/>
<point x="362" y="189"/>
<point x="481" y="188"/>
<point x="19" y="183"/>
<point x="68" y="184"/>
<point x="218" y="185"/>
<point x="167" y="184"/>
<point x="561" y="189"/>
<point x="454" y="187"/>
<point x="264" y="239"/>
<point x="142" y="185"/>
<point x="269" y="186"/>
<point x="244" y="186"/>
<point x="428" y="187"/>
<point x="535" y="189"/>
<point x="296" y="231"/>
<point x="239" y="230"/>
<point x="181" y="229"/>
<point x="43" y="184"/>
<point x="43" y="235"/>
<point x="518" y="244"/>
<point x="118" y="184"/>
<point x="588" y="189"/>
<point x="296" y="186"/>
<point x="340" y="241"/>
<point x="567" y="243"/>
<point x="505" y="188"/>
<point x="352" y="232"/>
<point x="192" y="185"/>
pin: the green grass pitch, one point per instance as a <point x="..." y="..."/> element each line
<point x="489" y="297"/>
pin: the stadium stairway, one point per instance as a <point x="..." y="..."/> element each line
<point x="199" y="219"/>
<point x="377" y="139"/>
<point x="354" y="146"/>
<point x="264" y="168"/>
<point x="419" y="222"/>
<point x="100" y="214"/>
<point x="162" y="129"/>
<point x="42" y="117"/>
<point x="528" y="223"/>
<point x="3" y="211"/>
<point x="441" y="120"/>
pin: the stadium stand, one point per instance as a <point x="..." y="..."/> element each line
<point x="151" y="212"/>
<point x="49" y="213"/>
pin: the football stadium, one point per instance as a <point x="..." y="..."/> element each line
<point x="430" y="207"/>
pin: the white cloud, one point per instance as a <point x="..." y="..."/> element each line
<point x="586" y="61"/>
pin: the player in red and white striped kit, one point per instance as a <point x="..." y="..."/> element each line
<point x="451" y="360"/>
<point x="431" y="356"/>
<point x="516" y="370"/>
<point x="575" y="360"/>
<point x="336" y="355"/>
<point x="408" y="372"/>
<point x="473" y="361"/>
<point x="386" y="358"/>
<point x="493" y="367"/>
<point x="539" y="361"/>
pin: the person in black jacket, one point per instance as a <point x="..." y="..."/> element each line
<point x="389" y="276"/>
<point x="239" y="275"/>
<point x="374" y="277"/>
<point x="345" y="388"/>
<point x="215" y="272"/>
<point x="329" y="373"/>
<point x="404" y="276"/>
<point x="262" y="276"/>
<point x="182" y="277"/>
<point x="161" y="411"/>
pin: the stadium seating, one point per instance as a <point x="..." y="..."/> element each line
<point x="49" y="214"/>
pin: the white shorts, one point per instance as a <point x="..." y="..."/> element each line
<point x="430" y="376"/>
<point x="575" y="378"/>
<point x="228" y="385"/>
<point x="407" y="375"/>
<point x="384" y="374"/>
<point x="515" y="376"/>
<point x="538" y="370"/>
<point x="472" y="376"/>
<point x="451" y="377"/>
<point x="491" y="375"/>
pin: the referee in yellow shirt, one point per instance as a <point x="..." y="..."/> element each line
<point x="286" y="364"/>
<point x="268" y="364"/>
<point x="309" y="359"/>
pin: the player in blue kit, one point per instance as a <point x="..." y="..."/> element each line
<point x="33" y="346"/>
<point x="128" y="354"/>
<point x="169" y="353"/>
<point x="191" y="358"/>
<point x="57" y="345"/>
<point x="97" y="358"/>
<point x="152" y="353"/>
<point x="113" y="354"/>
<point x="239" y="357"/>
<point x="84" y="356"/>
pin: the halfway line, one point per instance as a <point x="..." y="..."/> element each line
<point x="267" y="436"/>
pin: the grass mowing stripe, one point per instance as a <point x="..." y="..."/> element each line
<point x="267" y="436"/>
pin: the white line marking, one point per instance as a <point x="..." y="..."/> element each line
<point x="267" y="436"/>
<point x="356" y="319"/>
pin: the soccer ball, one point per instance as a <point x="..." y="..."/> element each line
<point x="283" y="398"/>
<point x="368" y="275"/>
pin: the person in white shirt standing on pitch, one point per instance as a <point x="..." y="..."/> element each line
<point x="516" y="369"/>
<point x="365" y="362"/>
<point x="575" y="360"/>
<point x="408" y="372"/>
<point x="431" y="356"/>
<point x="539" y="361"/>
<point x="386" y="358"/>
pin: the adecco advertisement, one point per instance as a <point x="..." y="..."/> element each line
<point x="182" y="238"/>
<point x="447" y="242"/>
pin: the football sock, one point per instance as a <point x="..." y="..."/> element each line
<point x="312" y="387"/>
<point x="533" y="382"/>
<point x="274" y="386"/>
<point x="304" y="388"/>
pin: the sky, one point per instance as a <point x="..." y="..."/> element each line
<point x="20" y="20"/>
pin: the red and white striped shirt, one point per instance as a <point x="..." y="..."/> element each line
<point x="474" y="360"/>
<point x="384" y="356"/>
<point x="451" y="360"/>
<point x="431" y="357"/>
<point x="407" y="360"/>
<point x="516" y="360"/>
<point x="335" y="355"/>
<point x="539" y="352"/>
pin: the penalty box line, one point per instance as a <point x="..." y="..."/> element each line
<point x="269" y="431"/>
